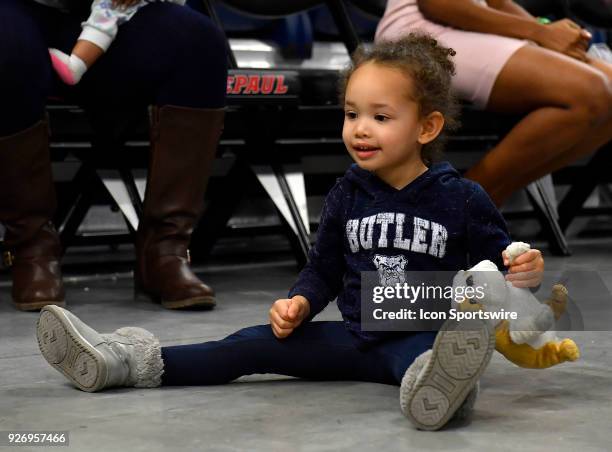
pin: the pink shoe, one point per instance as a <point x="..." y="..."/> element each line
<point x="63" y="66"/>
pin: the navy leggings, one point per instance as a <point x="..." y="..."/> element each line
<point x="314" y="351"/>
<point x="165" y="55"/>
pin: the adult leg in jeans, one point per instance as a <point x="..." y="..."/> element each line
<point x="173" y="58"/>
<point x="27" y="198"/>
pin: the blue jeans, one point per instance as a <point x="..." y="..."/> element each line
<point x="314" y="351"/>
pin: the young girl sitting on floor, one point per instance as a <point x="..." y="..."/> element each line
<point x="393" y="202"/>
<point x="99" y="31"/>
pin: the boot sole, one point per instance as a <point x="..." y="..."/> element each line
<point x="206" y="302"/>
<point x="460" y="355"/>
<point x="68" y="352"/>
<point x="37" y="306"/>
<point x="202" y="302"/>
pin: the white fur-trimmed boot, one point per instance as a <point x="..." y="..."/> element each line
<point x="93" y="361"/>
<point x="442" y="383"/>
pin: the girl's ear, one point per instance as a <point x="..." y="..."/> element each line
<point x="431" y="126"/>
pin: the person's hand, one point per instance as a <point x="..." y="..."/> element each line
<point x="124" y="3"/>
<point x="564" y="36"/>
<point x="286" y="315"/>
<point x="526" y="270"/>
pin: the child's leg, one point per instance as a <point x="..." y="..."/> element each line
<point x="315" y="351"/>
<point x="437" y="382"/>
<point x="98" y="33"/>
<point x="131" y="357"/>
<point x="87" y="51"/>
<point x="399" y="354"/>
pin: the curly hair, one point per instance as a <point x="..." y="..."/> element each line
<point x="429" y="66"/>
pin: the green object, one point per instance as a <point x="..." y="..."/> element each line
<point x="544" y="20"/>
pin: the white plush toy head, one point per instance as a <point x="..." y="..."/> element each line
<point x="488" y="279"/>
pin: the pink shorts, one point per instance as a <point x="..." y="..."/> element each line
<point x="480" y="57"/>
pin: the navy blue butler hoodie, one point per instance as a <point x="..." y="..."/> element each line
<point x="438" y="222"/>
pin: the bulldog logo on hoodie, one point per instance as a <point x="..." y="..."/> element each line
<point x="390" y="269"/>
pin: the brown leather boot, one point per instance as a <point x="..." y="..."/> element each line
<point x="183" y="146"/>
<point x="27" y="202"/>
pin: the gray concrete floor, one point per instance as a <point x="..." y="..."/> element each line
<point x="568" y="407"/>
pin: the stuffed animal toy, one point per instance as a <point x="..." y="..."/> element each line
<point x="527" y="341"/>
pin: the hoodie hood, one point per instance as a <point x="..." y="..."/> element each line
<point x="441" y="172"/>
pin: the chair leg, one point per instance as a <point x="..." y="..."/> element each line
<point x="544" y="207"/>
<point x="124" y="194"/>
<point x="130" y="185"/>
<point x="274" y="180"/>
<point x="299" y="216"/>
<point x="580" y="190"/>
<point x="219" y="209"/>
<point x="75" y="217"/>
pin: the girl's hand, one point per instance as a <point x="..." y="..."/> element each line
<point x="124" y="3"/>
<point x="287" y="314"/>
<point x="564" y="36"/>
<point x="527" y="269"/>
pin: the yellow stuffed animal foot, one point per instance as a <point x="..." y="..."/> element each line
<point x="568" y="350"/>
<point x="524" y="355"/>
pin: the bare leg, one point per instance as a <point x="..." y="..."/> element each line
<point x="601" y="65"/>
<point x="567" y="101"/>
<point x="87" y="51"/>
<point x="591" y="143"/>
